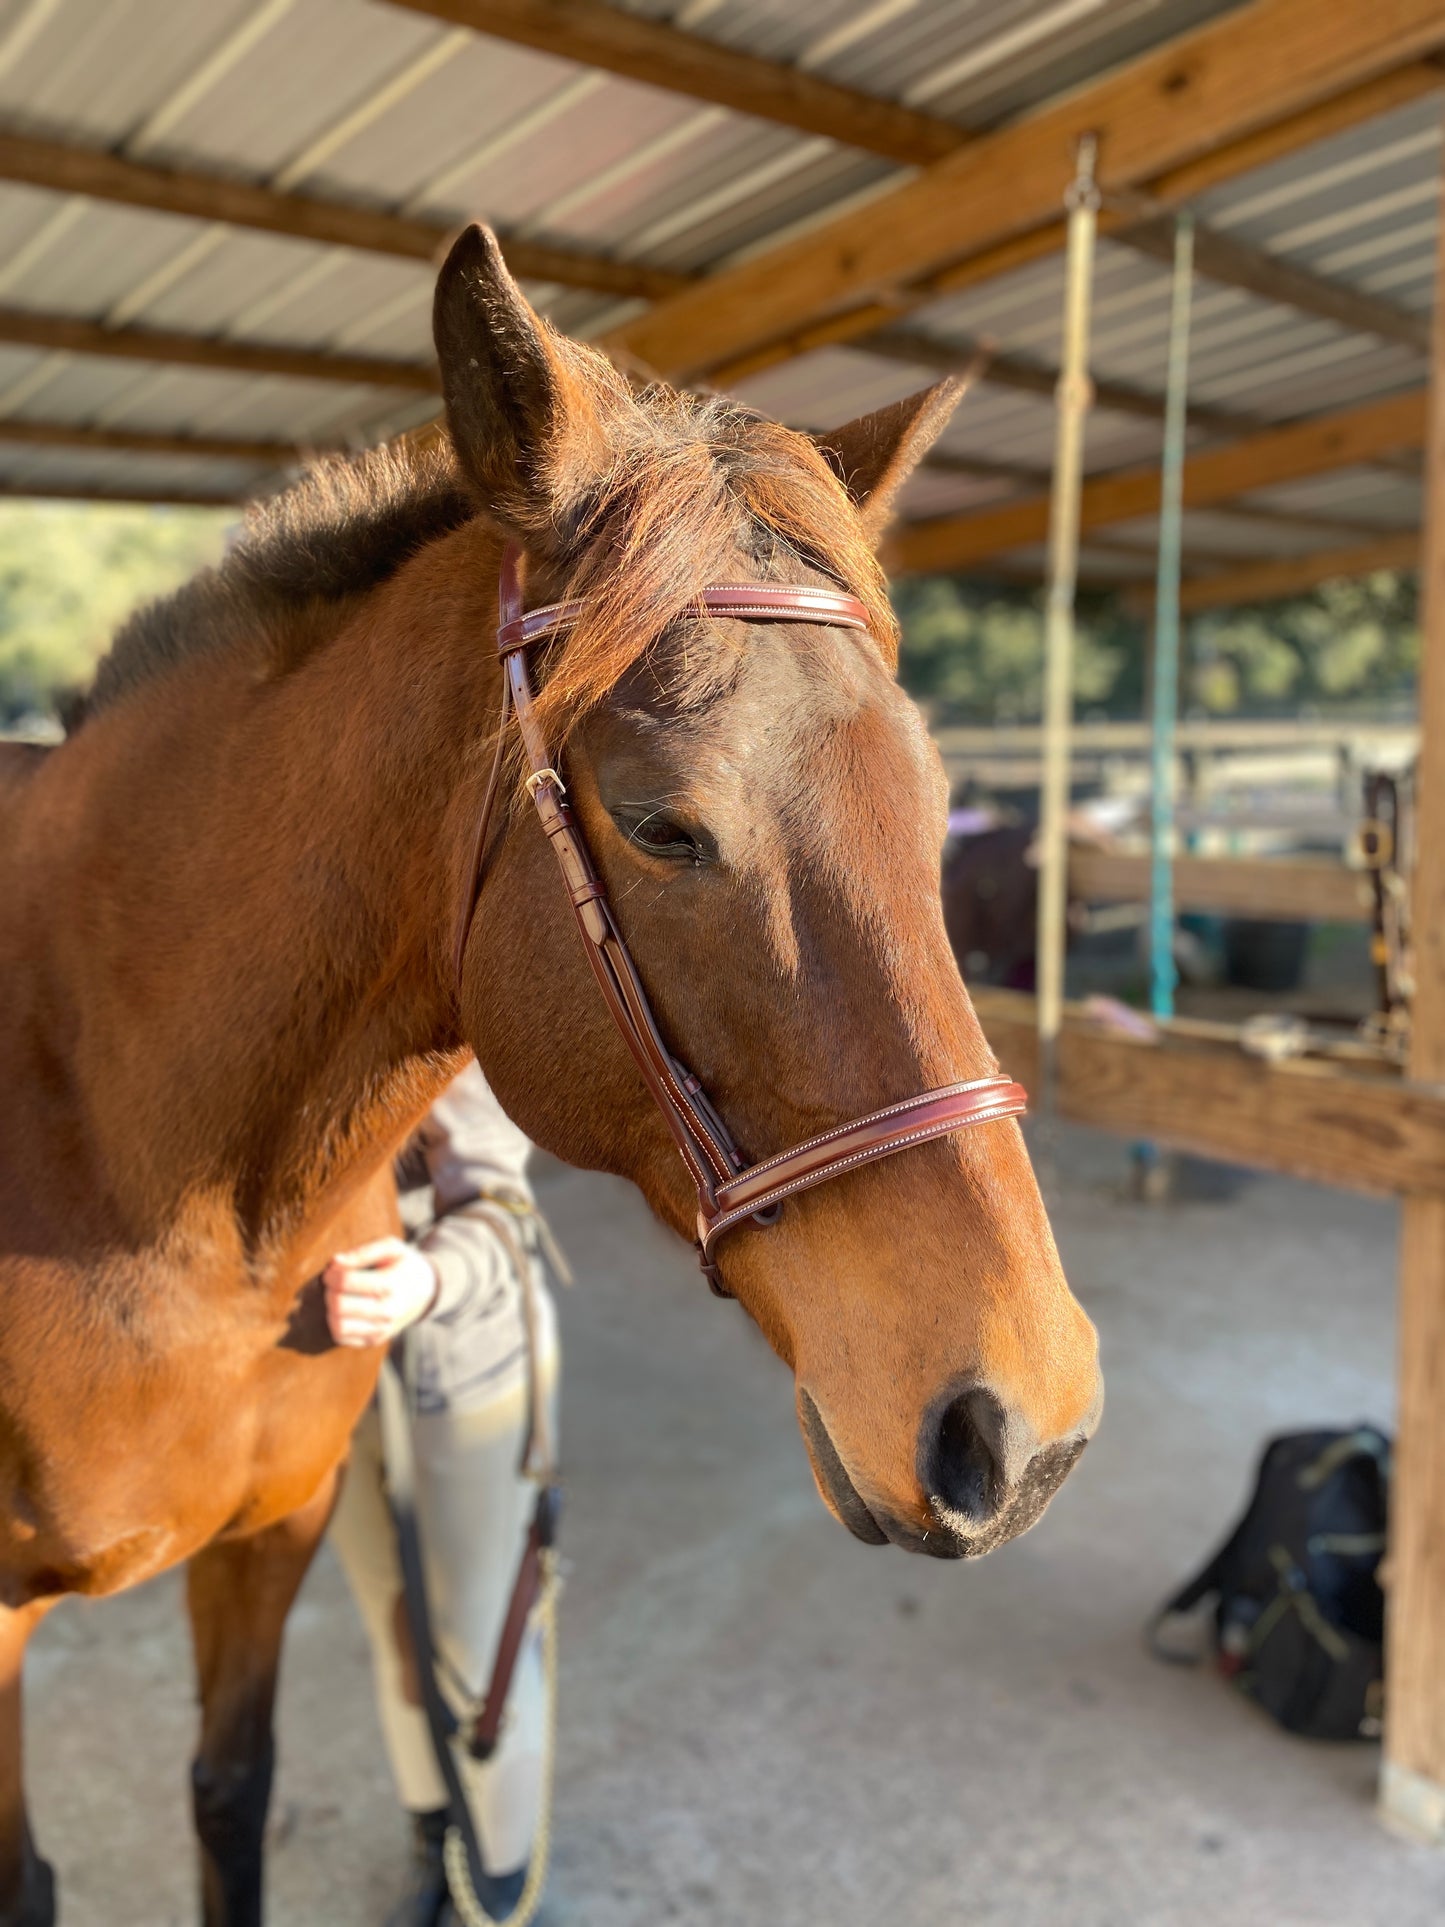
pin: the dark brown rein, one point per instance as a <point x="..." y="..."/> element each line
<point x="729" y="1189"/>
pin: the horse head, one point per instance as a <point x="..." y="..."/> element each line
<point x="766" y="811"/>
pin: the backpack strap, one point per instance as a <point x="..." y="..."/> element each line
<point x="1204" y="1585"/>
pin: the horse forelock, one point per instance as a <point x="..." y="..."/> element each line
<point x="698" y="489"/>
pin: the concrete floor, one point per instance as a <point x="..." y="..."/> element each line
<point x="764" y="1722"/>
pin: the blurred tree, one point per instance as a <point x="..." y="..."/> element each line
<point x="973" y="651"/>
<point x="1355" y="641"/>
<point x="69" y="575"/>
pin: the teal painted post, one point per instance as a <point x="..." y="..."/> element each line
<point x="1166" y="632"/>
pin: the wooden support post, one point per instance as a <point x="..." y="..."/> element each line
<point x="1073" y="409"/>
<point x="1412" y="1786"/>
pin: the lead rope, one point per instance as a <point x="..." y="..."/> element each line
<point x="458" y="1866"/>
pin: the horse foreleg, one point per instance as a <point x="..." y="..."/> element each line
<point x="239" y="1592"/>
<point x="27" y="1885"/>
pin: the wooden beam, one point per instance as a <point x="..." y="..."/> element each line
<point x="1412" y="1785"/>
<point x="1382" y="94"/>
<point x="1361" y="1130"/>
<point x="981" y="469"/>
<point x="595" y="34"/>
<point x="1228" y="79"/>
<point x="1235" y="264"/>
<point x="136" y="441"/>
<point x="1029" y="377"/>
<point x="69" y="334"/>
<point x="1273" y="889"/>
<point x="210" y="197"/>
<point x="1263" y="460"/>
<point x="140" y="497"/>
<point x="1295" y="575"/>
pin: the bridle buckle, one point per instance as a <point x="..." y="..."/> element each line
<point x="538" y="777"/>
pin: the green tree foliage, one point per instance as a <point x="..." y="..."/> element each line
<point x="1355" y="641"/>
<point x="973" y="652"/>
<point x="69" y="575"/>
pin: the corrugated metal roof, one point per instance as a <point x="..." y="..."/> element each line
<point x="358" y="100"/>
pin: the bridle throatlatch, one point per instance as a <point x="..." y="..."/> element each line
<point x="729" y="1189"/>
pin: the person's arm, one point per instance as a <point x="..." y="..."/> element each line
<point x="473" y="1152"/>
<point x="471" y="1148"/>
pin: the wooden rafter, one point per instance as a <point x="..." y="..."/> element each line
<point x="1235" y="264"/>
<point x="140" y="497"/>
<point x="1264" y="459"/>
<point x="138" y="441"/>
<point x="67" y="334"/>
<point x="208" y="197"/>
<point x="1029" y="377"/>
<point x="1294" y="575"/>
<point x="596" y="34"/>
<point x="1217" y="101"/>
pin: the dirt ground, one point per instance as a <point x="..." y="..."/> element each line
<point x="765" y="1722"/>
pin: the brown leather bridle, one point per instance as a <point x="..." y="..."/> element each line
<point x="729" y="1189"/>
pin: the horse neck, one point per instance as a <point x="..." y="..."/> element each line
<point x="267" y="872"/>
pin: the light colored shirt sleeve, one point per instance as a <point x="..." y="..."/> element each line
<point x="472" y="1149"/>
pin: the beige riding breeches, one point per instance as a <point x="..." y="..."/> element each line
<point x="473" y="1510"/>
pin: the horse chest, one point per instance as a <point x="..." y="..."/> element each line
<point x="160" y="1424"/>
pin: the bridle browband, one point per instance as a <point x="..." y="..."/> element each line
<point x="729" y="1189"/>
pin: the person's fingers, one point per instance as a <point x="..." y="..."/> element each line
<point x="381" y="1251"/>
<point x="348" y="1322"/>
<point x="357" y="1340"/>
<point x="362" y="1311"/>
<point x="347" y="1279"/>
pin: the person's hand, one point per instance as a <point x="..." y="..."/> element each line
<point x="377" y="1290"/>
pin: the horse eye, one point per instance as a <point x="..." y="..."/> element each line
<point x="661" y="835"/>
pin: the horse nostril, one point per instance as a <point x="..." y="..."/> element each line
<point x="966" y="1469"/>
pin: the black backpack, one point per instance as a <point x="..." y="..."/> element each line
<point x="1300" y="1618"/>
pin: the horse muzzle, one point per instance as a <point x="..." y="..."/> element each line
<point x="984" y="1477"/>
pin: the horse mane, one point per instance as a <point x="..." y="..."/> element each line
<point x="345" y="526"/>
<point x="693" y="481"/>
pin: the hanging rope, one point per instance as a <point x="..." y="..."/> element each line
<point x="1075" y="395"/>
<point x="458" y="1864"/>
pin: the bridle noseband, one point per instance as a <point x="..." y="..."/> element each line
<point x="729" y="1190"/>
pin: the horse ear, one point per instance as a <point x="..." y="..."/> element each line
<point x="875" y="455"/>
<point x="524" y="407"/>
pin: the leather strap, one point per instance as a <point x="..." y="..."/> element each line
<point x="728" y="1189"/>
<point x="916" y="1120"/>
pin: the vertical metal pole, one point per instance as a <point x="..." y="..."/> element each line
<point x="1074" y="397"/>
<point x="1166" y="631"/>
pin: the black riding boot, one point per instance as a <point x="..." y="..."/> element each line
<point x="425" y="1894"/>
<point x="500" y="1900"/>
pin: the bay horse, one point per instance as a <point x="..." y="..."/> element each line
<point x="227" y="906"/>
